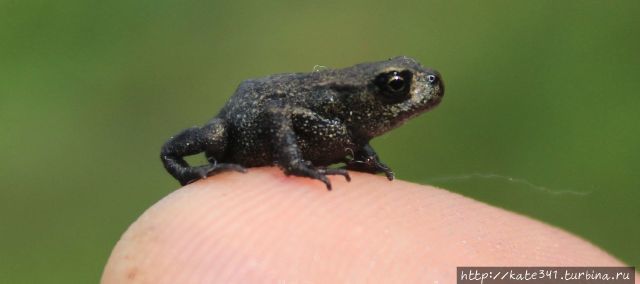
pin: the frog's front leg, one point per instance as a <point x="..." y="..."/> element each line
<point x="211" y="138"/>
<point x="365" y="159"/>
<point x="285" y="145"/>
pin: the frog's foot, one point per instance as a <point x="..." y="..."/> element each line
<point x="201" y="172"/>
<point x="305" y="169"/>
<point x="370" y="165"/>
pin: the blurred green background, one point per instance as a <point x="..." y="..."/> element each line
<point x="540" y="115"/>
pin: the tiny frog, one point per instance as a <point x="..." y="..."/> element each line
<point x="305" y="122"/>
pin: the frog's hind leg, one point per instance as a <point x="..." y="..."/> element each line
<point x="211" y="138"/>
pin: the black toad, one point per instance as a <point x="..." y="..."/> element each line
<point x="305" y="122"/>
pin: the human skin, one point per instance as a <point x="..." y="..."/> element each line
<point x="265" y="227"/>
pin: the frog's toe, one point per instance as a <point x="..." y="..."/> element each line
<point x="325" y="180"/>
<point x="194" y="174"/>
<point x="200" y="172"/>
<point x="390" y="175"/>
<point x="316" y="174"/>
<point x="386" y="170"/>
<point x="217" y="168"/>
<point x="342" y="172"/>
<point x="233" y="167"/>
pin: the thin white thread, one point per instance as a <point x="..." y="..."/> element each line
<point x="529" y="184"/>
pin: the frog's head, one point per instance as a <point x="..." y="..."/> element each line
<point x="392" y="92"/>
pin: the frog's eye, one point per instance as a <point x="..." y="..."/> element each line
<point x="395" y="84"/>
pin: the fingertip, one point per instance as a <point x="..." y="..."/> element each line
<point x="265" y="226"/>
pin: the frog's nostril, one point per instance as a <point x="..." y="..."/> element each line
<point x="432" y="79"/>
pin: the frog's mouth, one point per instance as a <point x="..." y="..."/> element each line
<point x="437" y="95"/>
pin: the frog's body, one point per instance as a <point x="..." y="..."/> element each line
<point x="304" y="122"/>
